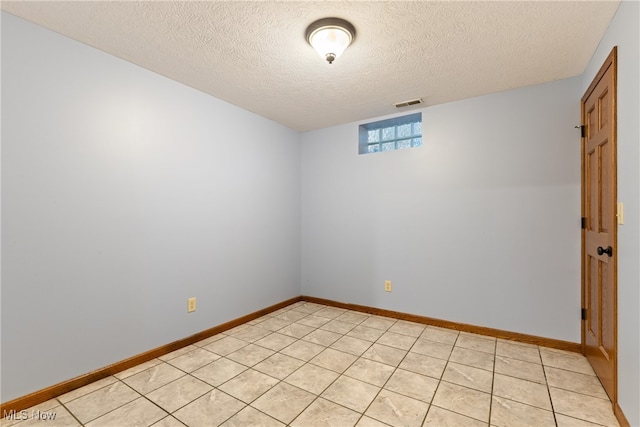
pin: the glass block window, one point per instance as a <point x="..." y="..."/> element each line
<point x="391" y="134"/>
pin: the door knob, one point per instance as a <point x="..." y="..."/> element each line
<point x="608" y="251"/>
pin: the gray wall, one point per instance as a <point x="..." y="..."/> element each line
<point x="480" y="225"/>
<point x="123" y="194"/>
<point x="624" y="32"/>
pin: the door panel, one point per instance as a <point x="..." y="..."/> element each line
<point x="599" y="251"/>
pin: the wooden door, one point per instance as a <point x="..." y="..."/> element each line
<point x="599" y="205"/>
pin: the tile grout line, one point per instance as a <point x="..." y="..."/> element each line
<point x="493" y="380"/>
<point x="353" y="325"/>
<point x="442" y="376"/>
<point x="318" y="396"/>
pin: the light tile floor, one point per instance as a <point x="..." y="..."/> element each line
<point x="313" y="365"/>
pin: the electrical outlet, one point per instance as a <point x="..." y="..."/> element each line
<point x="191" y="305"/>
<point x="387" y="285"/>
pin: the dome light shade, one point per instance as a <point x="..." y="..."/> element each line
<point x="330" y="37"/>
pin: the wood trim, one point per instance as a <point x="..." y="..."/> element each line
<point x="610" y="62"/>
<point x="622" y="419"/>
<point x="56" y="390"/>
<point x="612" y="59"/>
<point x="481" y="330"/>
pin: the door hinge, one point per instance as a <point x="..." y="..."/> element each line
<point x="583" y="223"/>
<point x="583" y="131"/>
<point x="583" y="314"/>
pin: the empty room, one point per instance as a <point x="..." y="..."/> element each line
<point x="320" y="213"/>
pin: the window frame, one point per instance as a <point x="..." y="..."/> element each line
<point x="393" y="143"/>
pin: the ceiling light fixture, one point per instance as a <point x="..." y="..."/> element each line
<point x="330" y="37"/>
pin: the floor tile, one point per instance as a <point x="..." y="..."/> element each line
<point x="292" y="316"/>
<point x="408" y="328"/>
<point x="98" y="403"/>
<point x="365" y="333"/>
<point x="507" y="413"/>
<point x="520" y="352"/>
<point x="370" y="422"/>
<point x="153" y="378"/>
<point x="371" y="372"/>
<point x="205" y="342"/>
<point x="478" y="336"/>
<point x="338" y="326"/>
<point x="226" y="345"/>
<point x="249" y="385"/>
<point x="140" y="412"/>
<point x="352" y="393"/>
<point x="329" y="312"/>
<point x="574" y="381"/>
<point x="314" y="321"/>
<point x="132" y="371"/>
<point x="322" y="337"/>
<point x="440" y="335"/>
<point x="312" y="378"/>
<point x="218" y="372"/>
<point x="352" y="317"/>
<point x="477" y="359"/>
<point x="296" y="330"/>
<point x="565" y="421"/>
<point x="178" y="352"/>
<point x="583" y="407"/>
<point x="276" y="341"/>
<point x="438" y="417"/>
<point x="284" y="402"/>
<point x="178" y="393"/>
<point x="432" y="348"/>
<point x="392" y="339"/>
<point x="522" y="391"/>
<point x="463" y="400"/>
<point x="237" y="329"/>
<point x="193" y="360"/>
<point x="279" y="365"/>
<point x="251" y="417"/>
<point x="468" y="376"/>
<point x="326" y="413"/>
<point x="520" y="369"/>
<point x="378" y="322"/>
<point x="310" y="364"/>
<point x="476" y="343"/>
<point x="397" y="410"/>
<point x="412" y="385"/>
<point x="251" y="334"/>
<point x="566" y="360"/>
<point x="302" y="350"/>
<point x="308" y="307"/>
<point x="212" y="409"/>
<point x="168" y="422"/>
<point x="273" y="324"/>
<point x="90" y="388"/>
<point x="384" y="354"/>
<point x="424" y="365"/>
<point x="351" y="345"/>
<point x="250" y="355"/>
<point x="334" y="360"/>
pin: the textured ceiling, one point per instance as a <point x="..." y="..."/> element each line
<point x="253" y="53"/>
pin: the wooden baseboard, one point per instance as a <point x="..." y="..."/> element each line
<point x="481" y="330"/>
<point x="622" y="419"/>
<point x="56" y="390"/>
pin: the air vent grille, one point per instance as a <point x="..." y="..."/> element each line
<point x="408" y="103"/>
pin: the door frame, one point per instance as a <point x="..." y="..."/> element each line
<point x="610" y="61"/>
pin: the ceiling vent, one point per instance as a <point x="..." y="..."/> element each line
<point x="408" y="103"/>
